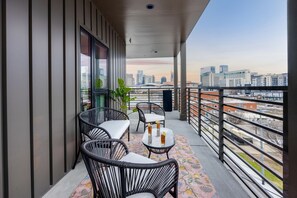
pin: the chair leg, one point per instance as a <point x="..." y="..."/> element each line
<point x="137" y="125"/>
<point x="128" y="134"/>
<point x="176" y="190"/>
<point x="76" y="158"/>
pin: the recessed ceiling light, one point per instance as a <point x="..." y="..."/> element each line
<point x="150" y="6"/>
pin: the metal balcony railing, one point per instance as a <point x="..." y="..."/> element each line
<point x="247" y="128"/>
<point x="150" y="94"/>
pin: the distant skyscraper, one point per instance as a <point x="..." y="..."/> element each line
<point x="163" y="79"/>
<point x="148" y="79"/>
<point x="209" y="69"/>
<point x="171" y="77"/>
<point x="207" y="75"/>
<point x="224" y="68"/>
<point x="154" y="79"/>
<point x="139" y="77"/>
<point x="130" y="81"/>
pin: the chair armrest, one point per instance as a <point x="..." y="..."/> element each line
<point x="95" y="132"/>
<point x="157" y="178"/>
<point x="157" y="109"/>
<point x="141" y="114"/>
<point x="113" y="114"/>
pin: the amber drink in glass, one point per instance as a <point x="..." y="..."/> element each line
<point x="158" y="128"/>
<point x="163" y="137"/>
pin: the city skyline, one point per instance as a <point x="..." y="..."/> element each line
<point x="242" y="34"/>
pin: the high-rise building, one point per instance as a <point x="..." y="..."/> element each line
<point x="154" y="79"/>
<point x="130" y="81"/>
<point x="148" y="79"/>
<point x="163" y="79"/>
<point x="224" y="68"/>
<point x="210" y="79"/>
<point x="139" y="77"/>
<point x="208" y="69"/>
<point x="238" y="78"/>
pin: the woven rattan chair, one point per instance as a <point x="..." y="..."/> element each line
<point x="150" y="113"/>
<point x="115" y="172"/>
<point x="102" y="123"/>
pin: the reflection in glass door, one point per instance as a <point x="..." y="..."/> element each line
<point x="85" y="70"/>
<point x="100" y="88"/>
<point x="94" y="72"/>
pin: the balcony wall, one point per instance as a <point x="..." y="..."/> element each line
<point x="41" y="88"/>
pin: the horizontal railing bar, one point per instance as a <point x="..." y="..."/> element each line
<point x="252" y="157"/>
<point x="209" y="144"/>
<point x="210" y="107"/>
<point x="209" y="119"/>
<point x="256" y="148"/>
<point x="260" y="88"/>
<point x="210" y="113"/>
<point x="255" y="112"/>
<point x="246" y="163"/>
<point x="194" y="109"/>
<point x="247" y="174"/>
<point x="254" y="135"/>
<point x="209" y="100"/>
<point x="255" y="100"/>
<point x="208" y="94"/>
<point x="210" y="126"/>
<point x="210" y="133"/>
<point x="240" y="177"/>
<point x="256" y="124"/>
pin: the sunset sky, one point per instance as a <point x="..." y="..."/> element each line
<point x="244" y="34"/>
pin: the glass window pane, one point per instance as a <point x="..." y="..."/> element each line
<point x="85" y="62"/>
<point x="100" y="68"/>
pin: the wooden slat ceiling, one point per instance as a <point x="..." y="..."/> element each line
<point x="154" y="33"/>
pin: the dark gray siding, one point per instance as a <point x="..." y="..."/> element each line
<point x="40" y="96"/>
<point x="1" y="102"/>
<point x="57" y="90"/>
<point x="40" y="88"/>
<point x="18" y="99"/>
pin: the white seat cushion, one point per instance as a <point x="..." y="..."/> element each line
<point x="150" y="117"/>
<point x="116" y="128"/>
<point x="135" y="158"/>
<point x="142" y="195"/>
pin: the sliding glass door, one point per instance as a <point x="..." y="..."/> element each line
<point x="94" y="72"/>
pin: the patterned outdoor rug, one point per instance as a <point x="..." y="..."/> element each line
<point x="193" y="182"/>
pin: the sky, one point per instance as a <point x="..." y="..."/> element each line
<point x="244" y="34"/>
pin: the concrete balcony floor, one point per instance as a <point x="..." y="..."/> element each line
<point x="225" y="184"/>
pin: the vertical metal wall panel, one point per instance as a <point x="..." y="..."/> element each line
<point x="57" y="90"/>
<point x="87" y="16"/>
<point x="40" y="96"/>
<point x="18" y="110"/>
<point x="99" y="24"/>
<point x="70" y="83"/>
<point x="80" y="11"/>
<point x="1" y="103"/>
<point x="94" y="19"/>
<point x="103" y="31"/>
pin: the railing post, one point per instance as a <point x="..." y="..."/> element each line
<point x="189" y="105"/>
<point x="221" y="125"/>
<point x="129" y="102"/>
<point x="199" y="111"/>
<point x="285" y="145"/>
<point x="149" y="95"/>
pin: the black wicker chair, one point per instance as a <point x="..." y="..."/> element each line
<point x="102" y="123"/>
<point x="114" y="174"/>
<point x="150" y="113"/>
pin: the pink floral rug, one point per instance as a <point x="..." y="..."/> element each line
<point x="193" y="182"/>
